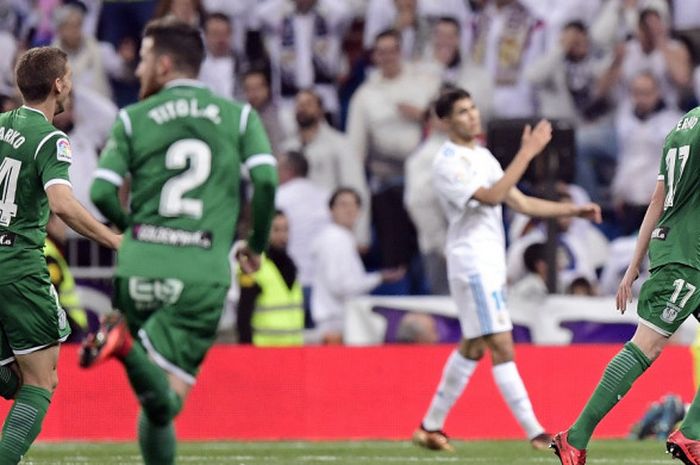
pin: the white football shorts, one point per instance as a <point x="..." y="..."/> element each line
<point x="481" y="305"/>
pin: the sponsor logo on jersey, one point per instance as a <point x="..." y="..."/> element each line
<point x="7" y="239"/>
<point x="660" y="233"/>
<point x="63" y="150"/>
<point x="670" y="313"/>
<point x="171" y="236"/>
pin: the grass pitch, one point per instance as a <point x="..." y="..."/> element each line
<point x="344" y="453"/>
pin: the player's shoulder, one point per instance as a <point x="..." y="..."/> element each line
<point x="687" y="125"/>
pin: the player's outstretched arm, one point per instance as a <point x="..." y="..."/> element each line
<point x="105" y="196"/>
<point x="651" y="218"/>
<point x="67" y="207"/>
<point x="533" y="206"/>
<point x="264" y="178"/>
<point x="532" y="144"/>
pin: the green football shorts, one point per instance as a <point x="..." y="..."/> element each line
<point x="668" y="297"/>
<point x="175" y="321"/>
<point x="31" y="318"/>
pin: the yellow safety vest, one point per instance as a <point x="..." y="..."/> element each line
<point x="63" y="280"/>
<point x="278" y="318"/>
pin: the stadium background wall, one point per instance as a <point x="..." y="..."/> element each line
<point x="347" y="393"/>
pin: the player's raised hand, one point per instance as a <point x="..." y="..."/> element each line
<point x="590" y="211"/>
<point x="535" y="139"/>
<point x="624" y="290"/>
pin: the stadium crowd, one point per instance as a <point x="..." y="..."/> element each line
<point x="345" y="89"/>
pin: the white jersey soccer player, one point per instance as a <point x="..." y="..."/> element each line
<point x="472" y="187"/>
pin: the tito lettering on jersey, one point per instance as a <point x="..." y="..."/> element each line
<point x="182" y="108"/>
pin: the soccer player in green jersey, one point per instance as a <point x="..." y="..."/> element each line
<point x="34" y="161"/>
<point x="182" y="147"/>
<point x="671" y="233"/>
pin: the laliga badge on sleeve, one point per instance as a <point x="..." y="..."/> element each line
<point x="64" y="151"/>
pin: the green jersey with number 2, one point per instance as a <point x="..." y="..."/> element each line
<point x="676" y="238"/>
<point x="33" y="156"/>
<point x="183" y="149"/>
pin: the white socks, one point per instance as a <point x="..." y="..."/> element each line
<point x="455" y="377"/>
<point x="513" y="391"/>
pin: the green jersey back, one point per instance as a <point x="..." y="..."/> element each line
<point x="33" y="156"/>
<point x="676" y="238"/>
<point x="183" y="149"/>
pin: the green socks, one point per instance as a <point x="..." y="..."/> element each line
<point x="691" y="423"/>
<point x="9" y="383"/>
<point x="23" y="423"/>
<point x="157" y="443"/>
<point x="160" y="403"/>
<point x="618" y="378"/>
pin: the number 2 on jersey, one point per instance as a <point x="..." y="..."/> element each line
<point x="673" y="175"/>
<point x="172" y="201"/>
<point x="9" y="174"/>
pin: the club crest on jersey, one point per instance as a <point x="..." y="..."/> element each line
<point x="64" y="151"/>
<point x="670" y="313"/>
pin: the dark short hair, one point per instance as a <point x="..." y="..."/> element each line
<point x="257" y="72"/>
<point x="446" y="101"/>
<point x="314" y="94"/>
<point x="577" y="24"/>
<point x="449" y="20"/>
<point x="179" y="40"/>
<point x="37" y="70"/>
<point x="217" y="16"/>
<point x="344" y="190"/>
<point x="297" y="163"/>
<point x="388" y="33"/>
<point x="534" y="253"/>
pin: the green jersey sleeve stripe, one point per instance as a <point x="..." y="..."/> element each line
<point x="45" y="139"/>
<point x="244" y="119"/>
<point x="126" y="120"/>
<point x="53" y="182"/>
<point x="110" y="176"/>
<point x="260" y="159"/>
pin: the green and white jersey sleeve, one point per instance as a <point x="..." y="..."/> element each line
<point x="255" y="145"/>
<point x="53" y="158"/>
<point x="114" y="159"/>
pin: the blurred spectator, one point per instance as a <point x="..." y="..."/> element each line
<point x="91" y="62"/>
<point x="413" y="19"/>
<point x="618" y="20"/>
<point x="417" y="328"/>
<point x="9" y="102"/>
<point x="256" y="90"/>
<point x="8" y="45"/>
<point x="558" y="13"/>
<point x="306" y="206"/>
<point x="642" y="127"/>
<point x="303" y="38"/>
<point x="506" y="39"/>
<point x="582" y="287"/>
<point x="533" y="286"/>
<point x="620" y="255"/>
<point x="239" y="13"/>
<point x="62" y="280"/>
<point x="331" y="160"/>
<point x="385" y="126"/>
<point x="189" y="11"/>
<point x="339" y="273"/>
<point x="424" y="208"/>
<point x="221" y="68"/>
<point x="122" y="21"/>
<point x="270" y="309"/>
<point x="574" y="84"/>
<point x="87" y="120"/>
<point x="686" y="14"/>
<point x="654" y="50"/>
<point x="454" y="69"/>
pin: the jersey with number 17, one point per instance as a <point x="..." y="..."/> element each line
<point x="182" y="148"/>
<point x="34" y="155"/>
<point x="676" y="238"/>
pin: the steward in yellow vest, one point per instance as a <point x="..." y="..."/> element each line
<point x="62" y="279"/>
<point x="271" y="305"/>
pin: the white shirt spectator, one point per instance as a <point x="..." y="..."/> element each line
<point x="686" y="14"/>
<point x="557" y="13"/>
<point x="640" y="143"/>
<point x="219" y="74"/>
<point x="339" y="275"/>
<point x="8" y="45"/>
<point x="239" y="12"/>
<point x="475" y="237"/>
<point x="306" y="208"/>
<point x="333" y="164"/>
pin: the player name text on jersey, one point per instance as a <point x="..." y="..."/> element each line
<point x="182" y="108"/>
<point x="12" y="137"/>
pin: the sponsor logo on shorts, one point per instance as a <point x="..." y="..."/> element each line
<point x="7" y="239"/>
<point x="670" y="313"/>
<point x="660" y="233"/>
<point x="170" y="236"/>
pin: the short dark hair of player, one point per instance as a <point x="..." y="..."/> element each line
<point x="37" y="70"/>
<point x="534" y="253"/>
<point x="393" y="33"/>
<point x="177" y="39"/>
<point x="217" y="16"/>
<point x="344" y="190"/>
<point x="297" y="163"/>
<point x="446" y="101"/>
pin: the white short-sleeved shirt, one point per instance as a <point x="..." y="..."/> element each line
<point x="475" y="236"/>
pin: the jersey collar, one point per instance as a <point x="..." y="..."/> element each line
<point x="184" y="82"/>
<point x="36" y="111"/>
